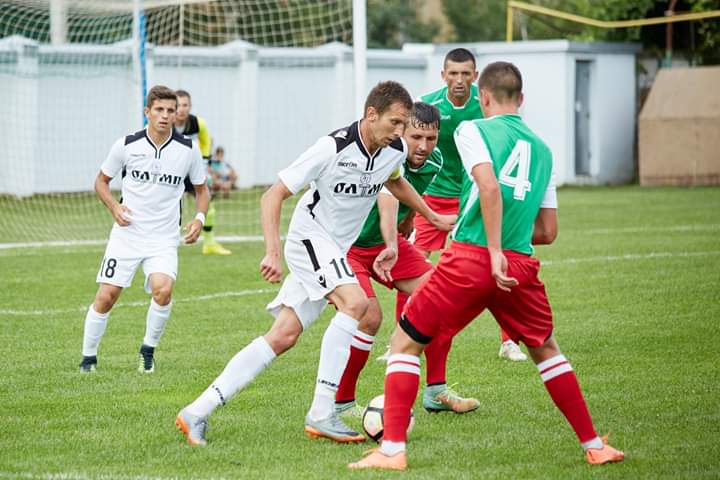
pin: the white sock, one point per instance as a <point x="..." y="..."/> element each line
<point x="334" y="354"/>
<point x="95" y="324"/>
<point x="239" y="372"/>
<point x="596" y="443"/>
<point x="157" y="315"/>
<point x="392" y="448"/>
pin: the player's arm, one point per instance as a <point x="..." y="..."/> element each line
<point x="110" y="168"/>
<point x="478" y="163"/>
<point x="385" y="260"/>
<point x="270" y="209"/>
<point x="198" y="178"/>
<point x="406" y="227"/>
<point x="119" y="212"/>
<point x="545" y="229"/>
<point x="406" y="193"/>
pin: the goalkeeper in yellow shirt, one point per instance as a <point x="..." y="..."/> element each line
<point x="196" y="129"/>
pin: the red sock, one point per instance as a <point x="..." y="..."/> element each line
<point x="402" y="378"/>
<point x="400" y="300"/>
<point x="503" y="336"/>
<point x="563" y="387"/>
<point x="359" y="352"/>
<point x="436" y="354"/>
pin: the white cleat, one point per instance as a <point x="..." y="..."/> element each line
<point x="510" y="350"/>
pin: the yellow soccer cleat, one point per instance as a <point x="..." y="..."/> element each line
<point x="215" y="249"/>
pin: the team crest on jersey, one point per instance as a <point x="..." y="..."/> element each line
<point x="322" y="281"/>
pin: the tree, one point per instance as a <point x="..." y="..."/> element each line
<point x="391" y="23"/>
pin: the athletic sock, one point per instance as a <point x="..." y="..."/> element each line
<point x="208" y="234"/>
<point x="562" y="385"/>
<point x="400" y="300"/>
<point x="504" y="337"/>
<point x="359" y="352"/>
<point x="402" y="378"/>
<point x="334" y="354"/>
<point x="95" y="324"/>
<point x="157" y="316"/>
<point x="436" y="354"/>
<point x="239" y="372"/>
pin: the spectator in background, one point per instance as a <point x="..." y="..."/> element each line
<point x="221" y="173"/>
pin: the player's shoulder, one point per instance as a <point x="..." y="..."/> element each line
<point x="344" y="137"/>
<point x="435" y="97"/>
<point x="182" y="139"/>
<point x="399" y="145"/>
<point x="133" y="137"/>
<point x="435" y="159"/>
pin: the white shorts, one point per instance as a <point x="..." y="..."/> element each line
<point x="122" y="258"/>
<point x="317" y="266"/>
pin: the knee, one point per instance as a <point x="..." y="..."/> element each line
<point x="162" y="295"/>
<point x="104" y="301"/>
<point x="356" y="307"/>
<point x="282" y="340"/>
<point x="371" y="321"/>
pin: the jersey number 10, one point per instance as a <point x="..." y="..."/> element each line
<point x="519" y="158"/>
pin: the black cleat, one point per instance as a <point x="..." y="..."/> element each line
<point x="147" y="362"/>
<point x="88" y="364"/>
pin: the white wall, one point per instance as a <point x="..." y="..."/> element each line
<point x="68" y="103"/>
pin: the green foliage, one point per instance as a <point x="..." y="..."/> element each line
<point x="476" y="20"/>
<point x="391" y="23"/>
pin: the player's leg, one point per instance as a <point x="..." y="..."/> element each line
<point x="510" y="350"/>
<point x="210" y="245"/>
<point x="562" y="385"/>
<point x="95" y="323"/>
<point x="160" y="286"/>
<point x="116" y="272"/>
<point x="242" y="369"/>
<point x="525" y="315"/>
<point x="362" y="342"/>
<point x="322" y="420"/>
<point x="360" y="260"/>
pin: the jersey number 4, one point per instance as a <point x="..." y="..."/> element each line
<point x="519" y="160"/>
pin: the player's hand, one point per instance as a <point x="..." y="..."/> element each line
<point x="444" y="222"/>
<point x="499" y="267"/>
<point x="384" y="262"/>
<point x="122" y="215"/>
<point x="271" y="268"/>
<point x="406" y="227"/>
<point x="193" y="231"/>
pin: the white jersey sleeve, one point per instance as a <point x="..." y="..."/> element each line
<point x="550" y="198"/>
<point x="197" y="172"/>
<point x="115" y="160"/>
<point x="309" y="165"/>
<point x="471" y="146"/>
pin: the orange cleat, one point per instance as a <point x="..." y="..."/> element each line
<point x="601" y="456"/>
<point x="374" y="458"/>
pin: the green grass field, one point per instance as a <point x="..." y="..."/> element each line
<point x="634" y="280"/>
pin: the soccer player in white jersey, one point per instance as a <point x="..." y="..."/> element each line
<point x="153" y="163"/>
<point x="345" y="171"/>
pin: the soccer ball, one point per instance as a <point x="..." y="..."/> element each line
<point x="373" y="418"/>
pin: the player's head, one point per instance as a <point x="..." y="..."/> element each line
<point x="386" y="112"/>
<point x="184" y="105"/>
<point x="459" y="73"/>
<point x="160" y="109"/>
<point x="421" y="134"/>
<point x="219" y="153"/>
<point x="500" y="86"/>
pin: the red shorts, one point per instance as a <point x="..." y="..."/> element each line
<point x="462" y="286"/>
<point x="427" y="237"/>
<point x="410" y="264"/>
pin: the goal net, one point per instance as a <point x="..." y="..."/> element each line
<point x="73" y="74"/>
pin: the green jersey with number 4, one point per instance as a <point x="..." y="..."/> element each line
<point x="448" y="183"/>
<point x="420" y="178"/>
<point x="523" y="167"/>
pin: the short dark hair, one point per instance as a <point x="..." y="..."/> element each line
<point x="503" y="80"/>
<point x="160" y="92"/>
<point x="459" y="55"/>
<point x="183" y="93"/>
<point x="384" y="94"/>
<point x="424" y="115"/>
